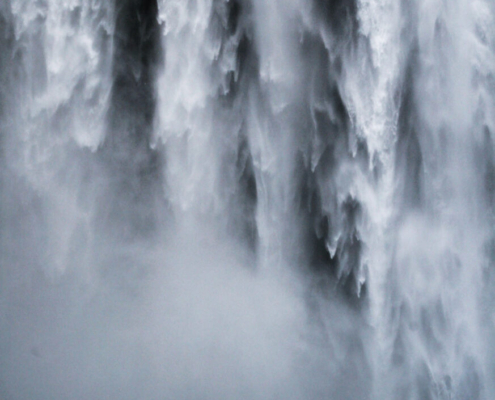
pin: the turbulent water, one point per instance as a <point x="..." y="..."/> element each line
<point x="247" y="199"/>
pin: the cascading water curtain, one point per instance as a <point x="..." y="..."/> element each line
<point x="247" y="199"/>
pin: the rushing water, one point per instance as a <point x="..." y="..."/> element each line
<point x="247" y="199"/>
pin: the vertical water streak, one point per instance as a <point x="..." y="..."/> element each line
<point x="62" y="55"/>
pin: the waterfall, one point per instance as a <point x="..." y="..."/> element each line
<point x="247" y="199"/>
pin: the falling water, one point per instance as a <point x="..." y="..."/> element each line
<point x="247" y="199"/>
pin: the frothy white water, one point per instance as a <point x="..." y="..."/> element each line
<point x="61" y="66"/>
<point x="273" y="199"/>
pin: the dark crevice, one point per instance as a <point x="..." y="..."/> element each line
<point x="133" y="196"/>
<point x="409" y="158"/>
<point x="340" y="16"/>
